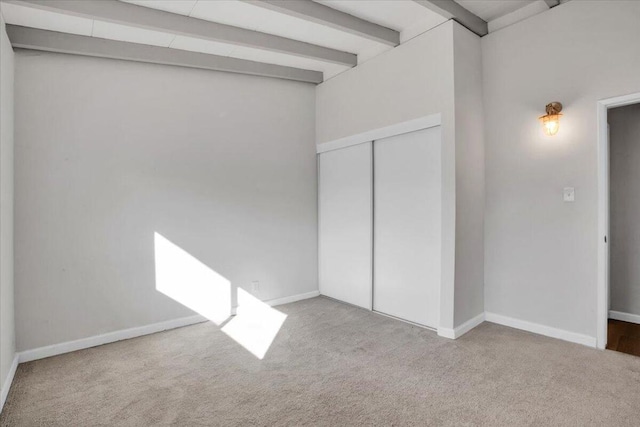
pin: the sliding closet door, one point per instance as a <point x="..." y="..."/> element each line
<point x="345" y="210"/>
<point x="407" y="211"/>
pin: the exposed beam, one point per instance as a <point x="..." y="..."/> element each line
<point x="321" y="14"/>
<point x="52" y="41"/>
<point x="552" y="3"/>
<point x="151" y="19"/>
<point x="452" y="10"/>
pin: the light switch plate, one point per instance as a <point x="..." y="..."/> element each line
<point x="569" y="194"/>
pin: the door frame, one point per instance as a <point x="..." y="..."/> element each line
<point x="420" y="123"/>
<point x="602" y="295"/>
<point x="380" y="133"/>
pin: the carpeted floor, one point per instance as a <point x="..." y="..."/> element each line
<point x="331" y="364"/>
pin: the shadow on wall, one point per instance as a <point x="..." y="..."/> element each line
<point x="186" y="280"/>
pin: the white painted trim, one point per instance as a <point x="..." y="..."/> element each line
<point x="537" y="328"/>
<point x="292" y="298"/>
<point x="96" y="340"/>
<point x="447" y="333"/>
<point x="83" y="343"/>
<point x="371" y="235"/>
<point x="621" y="101"/>
<point x="625" y="317"/>
<point x="602" y="292"/>
<point x="462" y="329"/>
<point x="383" y="132"/>
<point x="6" y="386"/>
<point x="8" y="381"/>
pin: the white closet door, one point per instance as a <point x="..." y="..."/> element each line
<point x="407" y="211"/>
<point x="345" y="211"/>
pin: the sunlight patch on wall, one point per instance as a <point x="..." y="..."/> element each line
<point x="185" y="279"/>
<point x="255" y="325"/>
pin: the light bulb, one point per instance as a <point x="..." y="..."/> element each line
<point x="551" y="120"/>
<point x="552" y="125"/>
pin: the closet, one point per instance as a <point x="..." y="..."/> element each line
<point x="345" y="223"/>
<point x="379" y="225"/>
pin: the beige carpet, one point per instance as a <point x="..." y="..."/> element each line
<point x="331" y="364"/>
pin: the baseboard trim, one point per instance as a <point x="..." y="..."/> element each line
<point x="292" y="298"/>
<point x="625" y="317"/>
<point x="447" y="333"/>
<point x="8" y="381"/>
<point x="459" y="331"/>
<point x="96" y="340"/>
<point x="537" y="328"/>
<point x="125" y="334"/>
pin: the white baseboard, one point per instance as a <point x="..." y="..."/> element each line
<point x="96" y="340"/>
<point x="292" y="298"/>
<point x="537" y="328"/>
<point x="81" y="344"/>
<point x="447" y="333"/>
<point x="462" y="329"/>
<point x="8" y="381"/>
<point x="625" y="317"/>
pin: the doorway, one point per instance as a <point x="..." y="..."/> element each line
<point x="623" y="325"/>
<point x="618" y="228"/>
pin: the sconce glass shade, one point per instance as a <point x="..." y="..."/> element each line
<point x="550" y="124"/>
<point x="551" y="120"/>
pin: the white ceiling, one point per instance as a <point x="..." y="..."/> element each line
<point x="36" y="18"/>
<point x="492" y="9"/>
<point x="405" y="16"/>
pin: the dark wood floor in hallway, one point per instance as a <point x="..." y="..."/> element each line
<point x="624" y="337"/>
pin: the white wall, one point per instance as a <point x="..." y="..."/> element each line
<point x="469" y="137"/>
<point x="110" y="152"/>
<point x="418" y="79"/>
<point x="541" y="253"/>
<point x="413" y="80"/>
<point x="624" y="148"/>
<point x="7" y="330"/>
<point x="439" y="71"/>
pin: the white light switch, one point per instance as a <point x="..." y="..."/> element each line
<point x="569" y="194"/>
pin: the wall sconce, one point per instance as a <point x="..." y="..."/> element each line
<point x="551" y="120"/>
